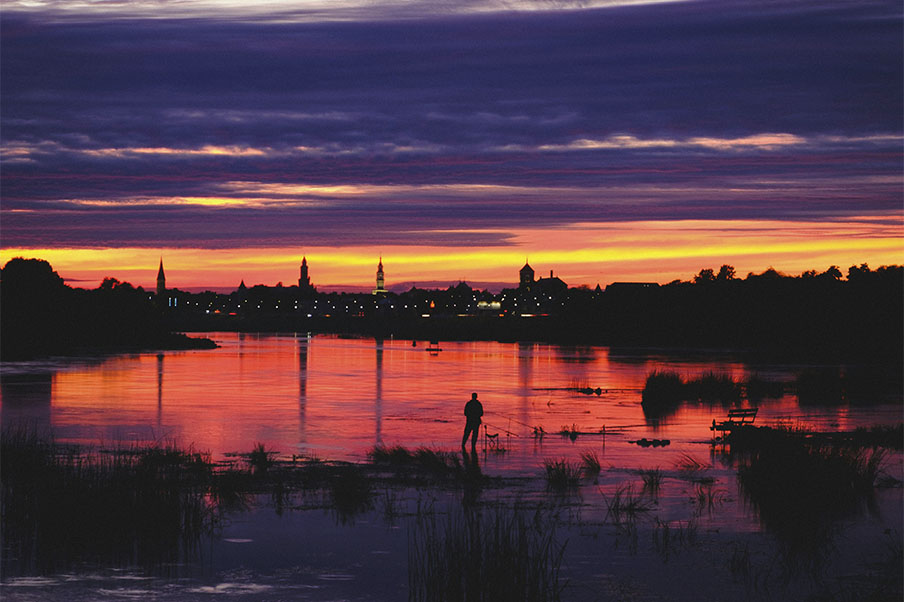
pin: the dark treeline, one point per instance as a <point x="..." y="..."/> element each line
<point x="40" y="315"/>
<point x="813" y="315"/>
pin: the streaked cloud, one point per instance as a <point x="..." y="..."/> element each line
<point x="304" y="11"/>
<point x="206" y="127"/>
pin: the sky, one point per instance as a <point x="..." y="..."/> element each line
<point x="603" y="140"/>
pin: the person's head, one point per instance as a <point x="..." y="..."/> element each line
<point x="473" y="395"/>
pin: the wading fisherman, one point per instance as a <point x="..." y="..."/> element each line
<point x="473" y="412"/>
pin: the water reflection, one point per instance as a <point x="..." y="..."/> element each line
<point x="26" y="398"/>
<point x="159" y="390"/>
<point x="337" y="397"/>
<point x="378" y="394"/>
<point x="302" y="390"/>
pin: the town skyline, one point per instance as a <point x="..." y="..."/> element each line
<point x="378" y="277"/>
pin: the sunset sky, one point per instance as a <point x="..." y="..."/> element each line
<point x="605" y="140"/>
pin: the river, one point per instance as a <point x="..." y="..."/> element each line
<point x="337" y="398"/>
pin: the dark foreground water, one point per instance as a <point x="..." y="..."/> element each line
<point x="696" y="536"/>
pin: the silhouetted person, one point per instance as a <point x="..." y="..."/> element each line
<point x="473" y="412"/>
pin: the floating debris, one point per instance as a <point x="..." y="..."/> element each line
<point x="652" y="442"/>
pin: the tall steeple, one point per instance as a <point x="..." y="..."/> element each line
<point x="380" y="281"/>
<point x="306" y="290"/>
<point x="161" y="282"/>
<point x="304" y="281"/>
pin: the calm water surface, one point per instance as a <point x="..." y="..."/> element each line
<point x="337" y="398"/>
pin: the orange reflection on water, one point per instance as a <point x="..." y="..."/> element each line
<point x="337" y="398"/>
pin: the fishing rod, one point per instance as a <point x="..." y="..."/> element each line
<point x="506" y="431"/>
<point x="530" y="426"/>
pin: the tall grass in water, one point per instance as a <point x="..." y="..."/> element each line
<point x="690" y="467"/>
<point x="431" y="461"/>
<point x="493" y="554"/>
<point x="590" y="463"/>
<point x="800" y="487"/>
<point x="662" y="389"/>
<point x="625" y="506"/>
<point x="351" y="493"/>
<point x="61" y="506"/>
<point x="562" y="475"/>
<point x="652" y="481"/>
<point x="712" y="387"/>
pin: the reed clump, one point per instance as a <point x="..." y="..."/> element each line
<point x="590" y="463"/>
<point x="562" y="475"/>
<point x="351" y="493"/>
<point x="625" y="505"/>
<point x="798" y="482"/>
<point x="664" y="390"/>
<point x="62" y="506"/>
<point x="652" y="481"/>
<point x="491" y="553"/>
<point x="713" y="388"/>
<point x="424" y="460"/>
<point x="670" y="537"/>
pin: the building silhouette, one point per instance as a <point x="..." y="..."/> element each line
<point x="161" y="298"/>
<point x="526" y="274"/>
<point x="381" y="289"/>
<point x="305" y="288"/>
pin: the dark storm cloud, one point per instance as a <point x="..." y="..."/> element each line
<point x="587" y="101"/>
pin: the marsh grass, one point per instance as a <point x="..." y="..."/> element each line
<point x="713" y="388"/>
<point x="800" y="486"/>
<point x="491" y="553"/>
<point x="590" y="463"/>
<point x="757" y="388"/>
<point x="665" y="390"/>
<point x="662" y="389"/>
<point x="571" y="432"/>
<point x="62" y="506"/>
<point x="707" y="497"/>
<point x="690" y="467"/>
<point x="670" y="536"/>
<point x="562" y="475"/>
<point x="624" y="506"/>
<point x="652" y="481"/>
<point x="351" y="493"/>
<point x="260" y="459"/>
<point x="425" y="460"/>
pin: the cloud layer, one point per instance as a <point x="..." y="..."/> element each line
<point x="357" y="124"/>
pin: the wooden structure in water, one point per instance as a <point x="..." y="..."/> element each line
<point x="736" y="417"/>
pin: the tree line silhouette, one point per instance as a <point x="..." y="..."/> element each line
<point x="815" y="314"/>
<point x="40" y="315"/>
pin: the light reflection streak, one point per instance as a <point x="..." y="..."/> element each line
<point x="328" y="396"/>
<point x="302" y="390"/>
<point x="378" y="393"/>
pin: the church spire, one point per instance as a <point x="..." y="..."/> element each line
<point x="161" y="284"/>
<point x="305" y="288"/>
<point x="161" y="280"/>
<point x="380" y="279"/>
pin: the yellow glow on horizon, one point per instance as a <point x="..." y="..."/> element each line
<point x="580" y="254"/>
